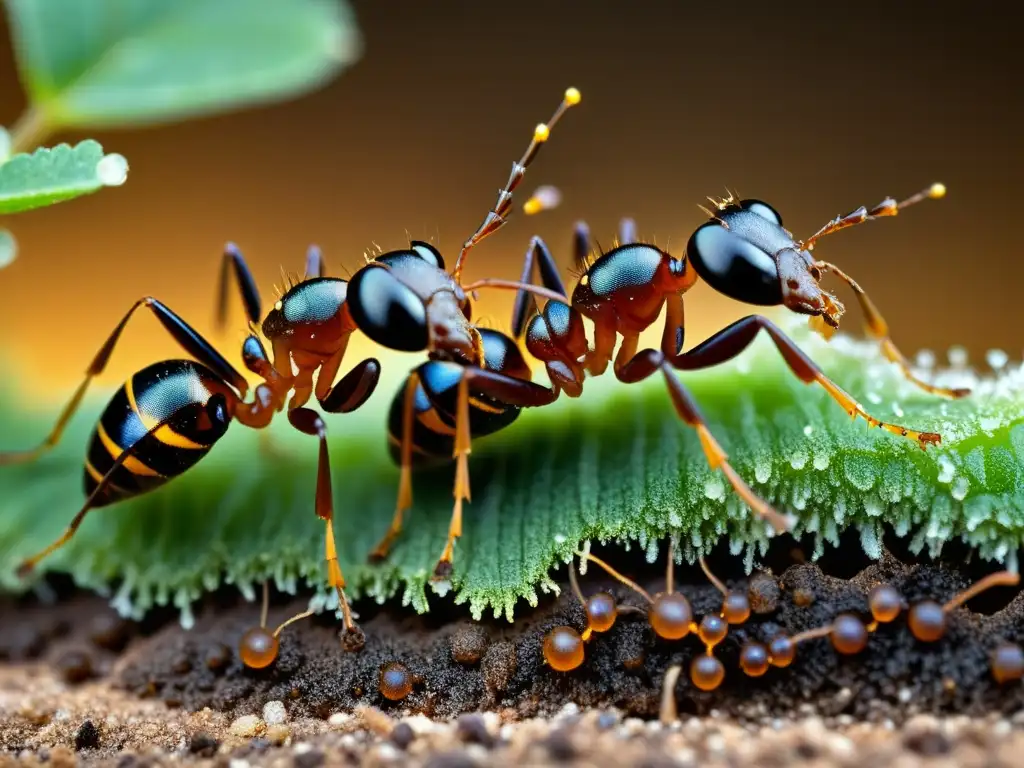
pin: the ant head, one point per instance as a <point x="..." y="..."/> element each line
<point x="745" y="253"/>
<point x="386" y="309"/>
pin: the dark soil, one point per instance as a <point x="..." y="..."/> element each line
<point x="460" y="666"/>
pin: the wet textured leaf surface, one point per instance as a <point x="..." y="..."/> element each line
<point x="101" y="62"/>
<point x="49" y="176"/>
<point x="613" y="465"/>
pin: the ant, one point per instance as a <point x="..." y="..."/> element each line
<point x="166" y="417"/>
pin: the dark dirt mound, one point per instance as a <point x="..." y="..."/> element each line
<point x="459" y="666"/>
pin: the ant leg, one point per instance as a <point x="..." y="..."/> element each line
<point x="505" y="389"/>
<point x="186" y="336"/>
<point x="233" y="259"/>
<point x="729" y="342"/>
<point x="538" y="253"/>
<point x="26" y="566"/>
<point x="310" y="423"/>
<point x="647" y="362"/>
<point x="352" y="391"/>
<point x="878" y="329"/>
<point x="404" y="501"/>
<point x="314" y="263"/>
<point x="463" y="446"/>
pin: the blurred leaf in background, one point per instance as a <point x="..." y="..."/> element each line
<point x="88" y="64"/>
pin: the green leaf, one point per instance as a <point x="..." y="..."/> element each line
<point x="615" y="464"/>
<point x="118" y="62"/>
<point x="48" y="176"/>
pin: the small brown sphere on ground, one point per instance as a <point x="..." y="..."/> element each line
<point x="469" y="643"/>
<point x="885" y="603"/>
<point x="75" y="666"/>
<point x="848" y="635"/>
<point x="706" y="672"/>
<point x="1007" y="662"/>
<point x="601" y="612"/>
<point x="802" y="597"/>
<point x="735" y="608"/>
<point x="258" y="648"/>
<point x="563" y="649"/>
<point x="763" y="593"/>
<point x="927" y="621"/>
<point x="670" y="615"/>
<point x="712" y="630"/>
<point x="754" y="659"/>
<point x="395" y="681"/>
<point x="781" y="651"/>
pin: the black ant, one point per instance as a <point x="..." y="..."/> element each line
<point x="166" y="417"/>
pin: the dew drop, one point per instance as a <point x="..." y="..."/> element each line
<point x="960" y="487"/>
<point x="990" y="423"/>
<point x="896" y="409"/>
<point x="809" y="430"/>
<point x="8" y="248"/>
<point x="957" y="356"/>
<point x="799" y="459"/>
<point x="946" y="469"/>
<point x="874" y="398"/>
<point x="763" y="469"/>
<point x="112" y="170"/>
<point x="714" y="488"/>
<point x="821" y="460"/>
<point x="860" y="471"/>
<point x="996" y="359"/>
<point x="925" y="359"/>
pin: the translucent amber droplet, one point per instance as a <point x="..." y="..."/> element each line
<point x="563" y="649"/>
<point x="258" y="648"/>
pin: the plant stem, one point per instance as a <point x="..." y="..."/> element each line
<point x="28" y="132"/>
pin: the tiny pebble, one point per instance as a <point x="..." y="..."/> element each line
<point x="339" y="719"/>
<point x="312" y="758"/>
<point x="274" y="713"/>
<point x="560" y="746"/>
<point x="473" y="729"/>
<point x="203" y="744"/>
<point x="247" y="725"/>
<point x="87" y="737"/>
<point x="402" y="735"/>
<point x="278" y="734"/>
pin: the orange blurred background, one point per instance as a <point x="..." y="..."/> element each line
<point x="816" y="108"/>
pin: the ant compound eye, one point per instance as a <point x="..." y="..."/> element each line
<point x="734" y="266"/>
<point x="428" y="253"/>
<point x="763" y="210"/>
<point x="387" y="310"/>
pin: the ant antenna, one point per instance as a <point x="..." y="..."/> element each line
<point x="497" y="216"/>
<point x="1000" y="579"/>
<point x="617" y="576"/>
<point x="266" y="604"/>
<point x="513" y="285"/>
<point x="887" y="207"/>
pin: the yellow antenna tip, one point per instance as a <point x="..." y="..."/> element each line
<point x="541" y="132"/>
<point x="936" y="191"/>
<point x="572" y="96"/>
<point x="532" y="206"/>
